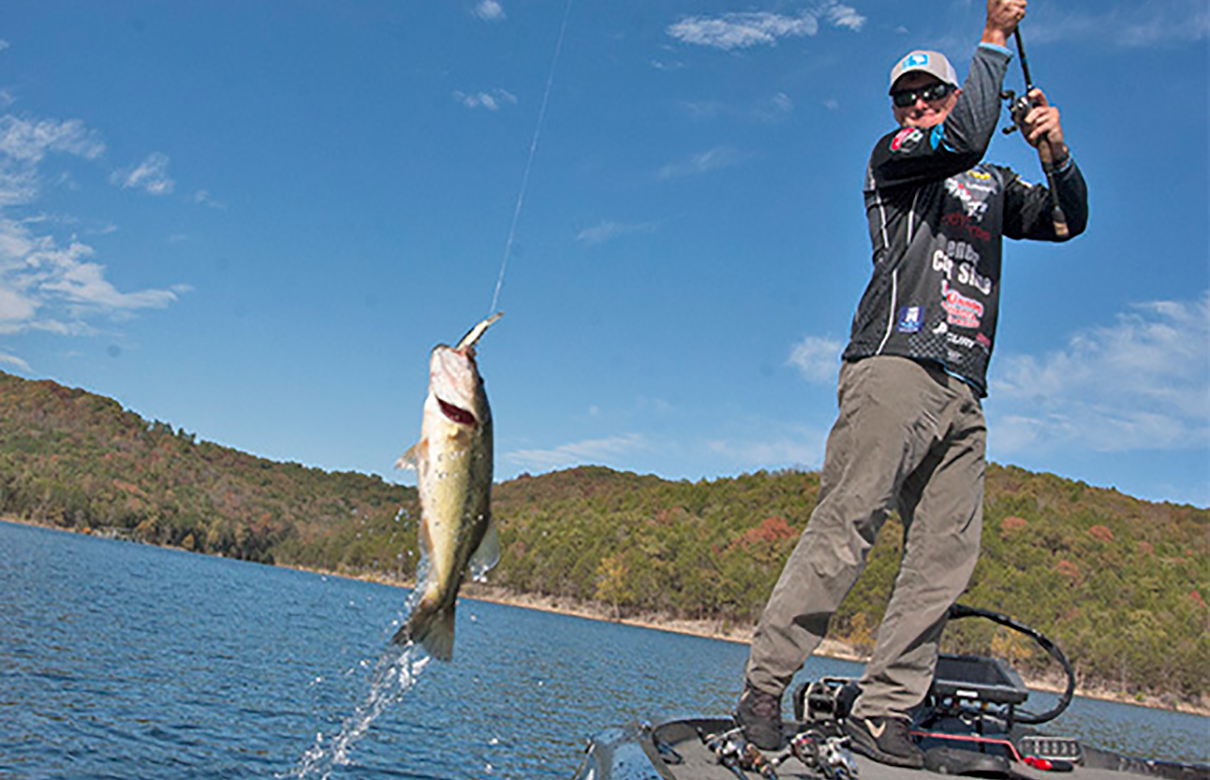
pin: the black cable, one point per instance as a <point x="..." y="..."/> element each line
<point x="959" y="611"/>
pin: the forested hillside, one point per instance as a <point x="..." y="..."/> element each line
<point x="1118" y="582"/>
<point x="77" y="460"/>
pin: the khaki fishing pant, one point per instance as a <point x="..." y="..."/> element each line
<point x="909" y="437"/>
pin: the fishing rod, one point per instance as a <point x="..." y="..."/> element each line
<point x="1019" y="107"/>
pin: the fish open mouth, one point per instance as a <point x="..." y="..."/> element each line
<point x="456" y="413"/>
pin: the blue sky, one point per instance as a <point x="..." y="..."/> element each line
<point x="252" y="220"/>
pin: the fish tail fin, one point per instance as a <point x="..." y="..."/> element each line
<point x="431" y="627"/>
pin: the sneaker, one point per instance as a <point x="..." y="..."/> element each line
<point x="759" y="715"/>
<point x="886" y="740"/>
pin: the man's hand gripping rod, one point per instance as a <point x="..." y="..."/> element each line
<point x="1019" y="107"/>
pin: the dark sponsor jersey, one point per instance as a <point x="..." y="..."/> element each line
<point x="937" y="216"/>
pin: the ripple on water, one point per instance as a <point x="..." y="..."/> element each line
<point x="116" y="655"/>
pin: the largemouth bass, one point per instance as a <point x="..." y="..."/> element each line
<point x="453" y="462"/>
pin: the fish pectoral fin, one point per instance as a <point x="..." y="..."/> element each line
<point x="487" y="554"/>
<point x="411" y="458"/>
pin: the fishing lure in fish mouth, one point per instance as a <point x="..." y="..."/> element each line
<point x="473" y="335"/>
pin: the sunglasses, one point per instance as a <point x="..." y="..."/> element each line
<point x="908" y="97"/>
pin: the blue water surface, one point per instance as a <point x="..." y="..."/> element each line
<point x="120" y="660"/>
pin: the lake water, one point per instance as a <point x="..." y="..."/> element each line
<point x="119" y="660"/>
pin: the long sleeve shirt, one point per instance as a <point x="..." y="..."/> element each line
<point x="937" y="216"/>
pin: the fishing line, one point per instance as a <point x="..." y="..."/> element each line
<point x="533" y="148"/>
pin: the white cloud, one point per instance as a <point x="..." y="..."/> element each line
<point x="15" y="307"/>
<point x="744" y="29"/>
<point x="150" y="175"/>
<point x="578" y="453"/>
<point x="817" y="359"/>
<point x="489" y="100"/>
<point x="1141" y="384"/>
<point x="844" y="16"/>
<point x="710" y="160"/>
<point x="667" y="64"/>
<point x="704" y="109"/>
<point x="204" y="198"/>
<point x="49" y="287"/>
<point x="490" y="11"/>
<point x="18" y="183"/>
<point x="27" y="141"/>
<point x="81" y="283"/>
<point x="49" y="284"/>
<point x="15" y="361"/>
<point x="607" y="231"/>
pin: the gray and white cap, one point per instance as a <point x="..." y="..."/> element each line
<point x="931" y="62"/>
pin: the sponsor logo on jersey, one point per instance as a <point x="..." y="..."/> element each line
<point x="906" y="139"/>
<point x="960" y="310"/>
<point x="973" y="202"/>
<point x="910" y="319"/>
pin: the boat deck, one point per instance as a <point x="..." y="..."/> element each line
<point x="676" y="751"/>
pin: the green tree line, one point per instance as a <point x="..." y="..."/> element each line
<point x="76" y="460"/>
<point x="1118" y="582"/>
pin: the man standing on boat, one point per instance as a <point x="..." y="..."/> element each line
<point x="910" y="435"/>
